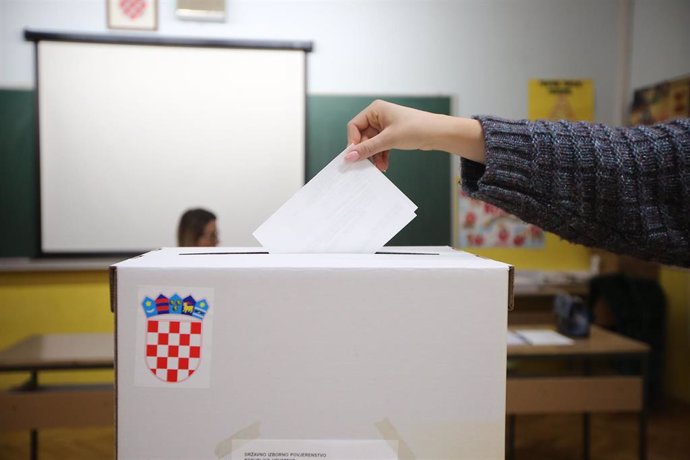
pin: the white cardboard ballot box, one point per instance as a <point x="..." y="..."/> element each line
<point x="233" y="353"/>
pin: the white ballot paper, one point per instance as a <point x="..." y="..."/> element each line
<point x="543" y="337"/>
<point x="346" y="208"/>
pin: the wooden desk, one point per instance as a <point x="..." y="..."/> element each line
<point x="533" y="308"/>
<point x="534" y="292"/>
<point x="33" y="406"/>
<point x="583" y="392"/>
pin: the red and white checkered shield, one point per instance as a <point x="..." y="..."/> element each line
<point x="133" y="8"/>
<point x="173" y="347"/>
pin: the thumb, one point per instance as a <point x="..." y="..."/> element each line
<point x="370" y="147"/>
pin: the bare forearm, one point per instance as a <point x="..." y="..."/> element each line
<point x="460" y="136"/>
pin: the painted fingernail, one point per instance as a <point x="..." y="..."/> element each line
<point x="352" y="156"/>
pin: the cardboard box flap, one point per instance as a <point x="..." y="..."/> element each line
<point x="248" y="258"/>
<point x="112" y="272"/>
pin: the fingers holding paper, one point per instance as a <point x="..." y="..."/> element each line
<point x="383" y="126"/>
<point x="367" y="138"/>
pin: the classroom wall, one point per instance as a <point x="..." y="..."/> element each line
<point x="660" y="41"/>
<point x="676" y="284"/>
<point x="481" y="51"/>
<point x="661" y="51"/>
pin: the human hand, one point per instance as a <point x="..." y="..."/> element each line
<point x="383" y="126"/>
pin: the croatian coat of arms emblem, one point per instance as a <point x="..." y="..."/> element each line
<point x="174" y="335"/>
<point x="133" y="8"/>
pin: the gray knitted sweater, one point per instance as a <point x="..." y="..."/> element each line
<point x="626" y="190"/>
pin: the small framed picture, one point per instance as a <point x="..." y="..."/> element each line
<point x="132" y="14"/>
<point x="201" y="10"/>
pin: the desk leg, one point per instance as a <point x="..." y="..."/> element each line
<point x="586" y="419"/>
<point x="32" y="385"/>
<point x="34" y="445"/>
<point x="585" y="435"/>
<point x="645" y="407"/>
<point x="511" y="437"/>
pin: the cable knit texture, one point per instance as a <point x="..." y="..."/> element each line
<point x="626" y="190"/>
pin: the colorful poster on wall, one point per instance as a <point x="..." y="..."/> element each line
<point x="483" y="225"/>
<point x="662" y="102"/>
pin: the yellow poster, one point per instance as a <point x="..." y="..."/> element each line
<point x="561" y="100"/>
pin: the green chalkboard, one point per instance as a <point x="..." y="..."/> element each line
<point x="18" y="175"/>
<point x="425" y="177"/>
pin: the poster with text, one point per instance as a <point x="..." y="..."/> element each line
<point x="571" y="100"/>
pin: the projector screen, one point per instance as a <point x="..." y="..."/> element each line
<point x="133" y="134"/>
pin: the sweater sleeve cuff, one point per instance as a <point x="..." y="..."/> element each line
<point x="509" y="167"/>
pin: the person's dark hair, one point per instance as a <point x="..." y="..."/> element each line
<point x="192" y="225"/>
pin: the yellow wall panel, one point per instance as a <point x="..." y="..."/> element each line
<point x="54" y="302"/>
<point x="557" y="254"/>
<point x="676" y="284"/>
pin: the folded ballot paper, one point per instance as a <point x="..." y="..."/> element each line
<point x="346" y="208"/>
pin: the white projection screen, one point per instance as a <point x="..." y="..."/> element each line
<point x="132" y="134"/>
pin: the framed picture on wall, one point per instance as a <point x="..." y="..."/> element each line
<point x="132" y="14"/>
<point x="201" y="10"/>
